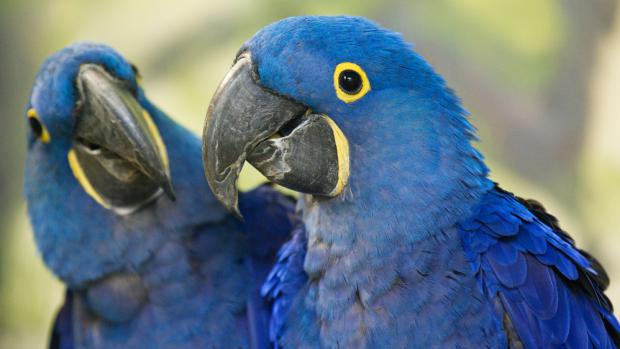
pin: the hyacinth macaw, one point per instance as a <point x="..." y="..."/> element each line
<point x="405" y="242"/>
<point x="145" y="265"/>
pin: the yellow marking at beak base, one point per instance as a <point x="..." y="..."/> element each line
<point x="159" y="142"/>
<point x="342" y="149"/>
<point x="79" y="174"/>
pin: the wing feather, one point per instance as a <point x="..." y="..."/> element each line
<point x="551" y="290"/>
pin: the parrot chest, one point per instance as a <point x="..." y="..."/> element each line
<point x="418" y="296"/>
<point x="180" y="299"/>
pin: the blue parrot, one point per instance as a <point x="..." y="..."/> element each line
<point x="146" y="264"/>
<point x="405" y="241"/>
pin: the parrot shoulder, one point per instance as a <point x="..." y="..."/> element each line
<point x="550" y="291"/>
<point x="601" y="277"/>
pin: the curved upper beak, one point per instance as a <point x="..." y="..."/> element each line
<point x="282" y="138"/>
<point x="118" y="141"/>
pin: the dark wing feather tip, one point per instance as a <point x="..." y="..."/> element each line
<point x="560" y="303"/>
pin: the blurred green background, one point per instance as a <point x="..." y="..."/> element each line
<point x="541" y="78"/>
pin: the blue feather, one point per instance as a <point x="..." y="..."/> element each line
<point x="62" y="331"/>
<point x="286" y="278"/>
<point x="558" y="327"/>
<point x="559" y="303"/>
<point x="510" y="273"/>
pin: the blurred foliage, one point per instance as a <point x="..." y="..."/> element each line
<point x="512" y="63"/>
<point x="523" y="35"/>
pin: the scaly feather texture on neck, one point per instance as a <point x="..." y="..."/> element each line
<point x="390" y="238"/>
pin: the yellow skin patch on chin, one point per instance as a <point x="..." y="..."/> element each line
<point x="79" y="174"/>
<point x="342" y="149"/>
<point x="159" y="142"/>
<point x="344" y="96"/>
<point x="45" y="135"/>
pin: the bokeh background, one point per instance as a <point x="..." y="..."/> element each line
<point x="541" y="78"/>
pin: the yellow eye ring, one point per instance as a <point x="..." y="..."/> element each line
<point x="37" y="127"/>
<point x="351" y="82"/>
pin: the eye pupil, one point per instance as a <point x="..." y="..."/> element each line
<point x="36" y="127"/>
<point x="350" y="81"/>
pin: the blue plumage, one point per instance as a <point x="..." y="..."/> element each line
<point x="174" y="274"/>
<point x="62" y="330"/>
<point x="269" y="217"/>
<point x="546" y="286"/>
<point x="421" y="249"/>
<point x="286" y="278"/>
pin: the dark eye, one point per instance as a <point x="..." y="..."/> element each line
<point x="36" y="127"/>
<point x="350" y="81"/>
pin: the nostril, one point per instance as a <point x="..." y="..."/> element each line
<point x="92" y="148"/>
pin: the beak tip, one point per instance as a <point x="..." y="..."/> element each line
<point x="235" y="212"/>
<point x="172" y="196"/>
<point x="229" y="199"/>
<point x="169" y="190"/>
<point x="231" y="203"/>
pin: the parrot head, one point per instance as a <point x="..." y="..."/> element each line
<point x="330" y="105"/>
<point x="85" y="113"/>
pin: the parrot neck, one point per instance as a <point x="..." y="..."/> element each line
<point x="182" y="284"/>
<point x="391" y="234"/>
<point x="412" y="173"/>
<point x="396" y="203"/>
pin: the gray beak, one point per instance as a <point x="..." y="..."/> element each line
<point x="117" y="147"/>
<point x="277" y="135"/>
